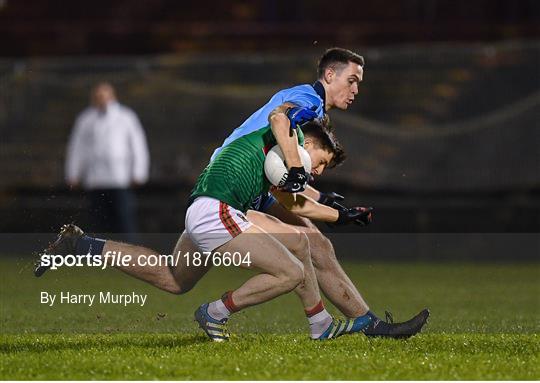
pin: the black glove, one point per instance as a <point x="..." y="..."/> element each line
<point x="359" y="215"/>
<point x="331" y="199"/>
<point x="296" y="180"/>
<point x="366" y="216"/>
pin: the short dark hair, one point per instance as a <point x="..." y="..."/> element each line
<point x="335" y="56"/>
<point x="325" y="139"/>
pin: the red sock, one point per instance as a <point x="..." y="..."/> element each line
<point x="228" y="302"/>
<point x="315" y="309"/>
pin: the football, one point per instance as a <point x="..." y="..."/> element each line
<point x="275" y="168"/>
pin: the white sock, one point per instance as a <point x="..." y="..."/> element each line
<point x="217" y="310"/>
<point x="318" y="323"/>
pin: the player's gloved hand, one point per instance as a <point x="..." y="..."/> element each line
<point x="366" y="216"/>
<point x="358" y="215"/>
<point x="300" y="115"/>
<point x="331" y="199"/>
<point x="296" y="180"/>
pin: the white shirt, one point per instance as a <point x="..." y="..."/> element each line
<point x="107" y="149"/>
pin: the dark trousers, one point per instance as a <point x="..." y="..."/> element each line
<point x="113" y="210"/>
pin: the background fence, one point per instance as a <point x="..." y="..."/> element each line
<point x="441" y="138"/>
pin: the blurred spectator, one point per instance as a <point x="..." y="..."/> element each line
<point x="107" y="156"/>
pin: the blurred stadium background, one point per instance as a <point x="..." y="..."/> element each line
<point x="443" y="138"/>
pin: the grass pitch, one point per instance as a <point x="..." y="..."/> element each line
<point x="485" y="324"/>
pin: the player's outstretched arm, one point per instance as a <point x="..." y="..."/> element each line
<point x="331" y="199"/>
<point x="312" y="193"/>
<point x="306" y="207"/>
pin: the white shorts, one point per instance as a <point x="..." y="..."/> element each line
<point x="211" y="223"/>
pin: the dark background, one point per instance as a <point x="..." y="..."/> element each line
<point x="97" y="27"/>
<point x="444" y="136"/>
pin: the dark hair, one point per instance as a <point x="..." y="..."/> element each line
<point x="325" y="139"/>
<point x="335" y="56"/>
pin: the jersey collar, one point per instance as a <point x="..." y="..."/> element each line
<point x="319" y="88"/>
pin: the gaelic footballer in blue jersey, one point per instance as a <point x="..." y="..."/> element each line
<point x="340" y="73"/>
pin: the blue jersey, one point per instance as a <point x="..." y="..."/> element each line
<point x="300" y="95"/>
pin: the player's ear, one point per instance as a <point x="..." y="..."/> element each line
<point x="329" y="74"/>
<point x="308" y="143"/>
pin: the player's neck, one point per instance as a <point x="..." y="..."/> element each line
<point x="320" y="88"/>
<point x="328" y="104"/>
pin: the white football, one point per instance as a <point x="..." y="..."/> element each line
<point x="274" y="165"/>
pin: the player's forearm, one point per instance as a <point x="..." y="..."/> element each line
<point x="317" y="212"/>
<point x="307" y="207"/>
<point x="280" y="125"/>
<point x="312" y="193"/>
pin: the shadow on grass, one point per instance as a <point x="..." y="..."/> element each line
<point x="47" y="343"/>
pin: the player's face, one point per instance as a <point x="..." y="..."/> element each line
<point x="343" y="85"/>
<point x="320" y="158"/>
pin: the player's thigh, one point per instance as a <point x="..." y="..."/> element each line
<point x="184" y="272"/>
<point x="216" y="227"/>
<point x="284" y="233"/>
<point x="266" y="253"/>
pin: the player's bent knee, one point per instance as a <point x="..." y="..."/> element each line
<point x="317" y="240"/>
<point x="321" y="242"/>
